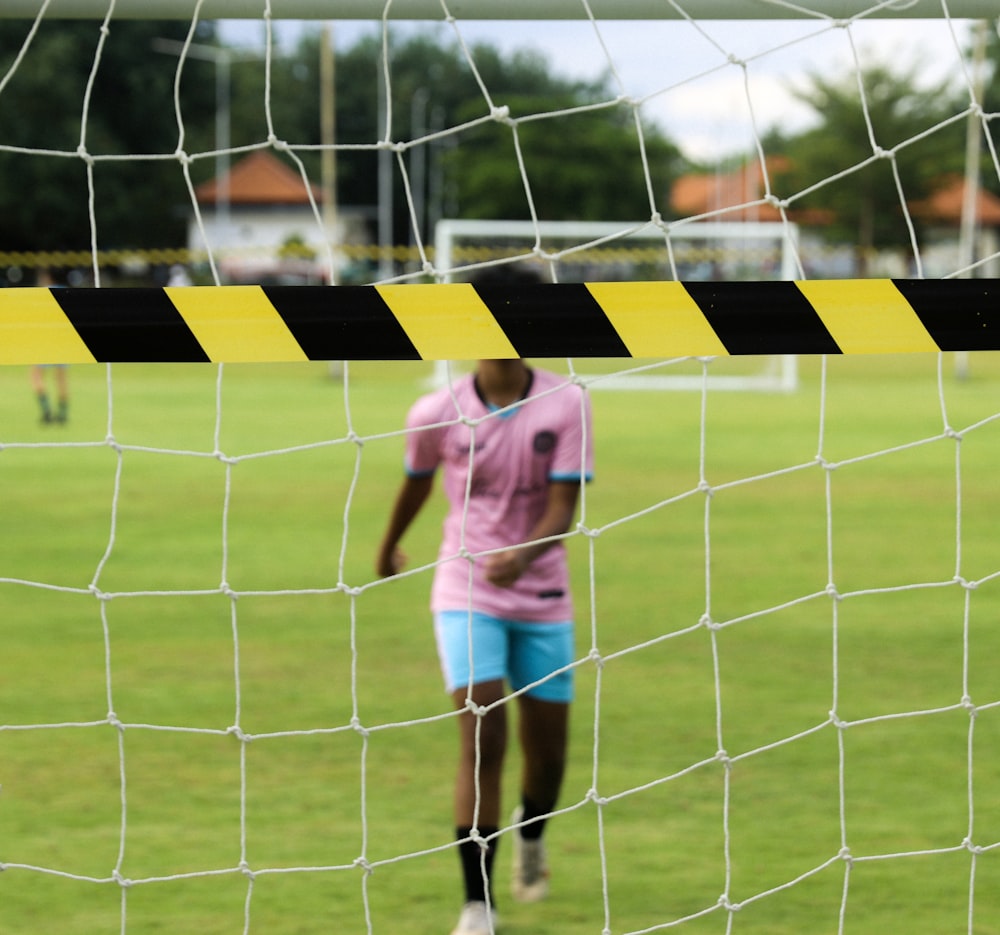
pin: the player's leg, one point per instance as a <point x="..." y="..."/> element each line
<point x="544" y="729"/>
<point x="62" y="392"/>
<point x="540" y="655"/>
<point x="482" y="744"/>
<point x="41" y="392"/>
<point x="482" y="732"/>
<point x="544" y="732"/>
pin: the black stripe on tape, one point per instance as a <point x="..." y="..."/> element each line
<point x="764" y="318"/>
<point x="122" y="325"/>
<point x="552" y="320"/>
<point x="959" y="314"/>
<point x="342" y="323"/>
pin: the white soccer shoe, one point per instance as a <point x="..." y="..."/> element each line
<point x="476" y="919"/>
<point x="529" y="881"/>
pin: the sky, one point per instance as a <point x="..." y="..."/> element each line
<point x="689" y="76"/>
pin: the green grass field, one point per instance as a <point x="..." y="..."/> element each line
<point x="113" y="524"/>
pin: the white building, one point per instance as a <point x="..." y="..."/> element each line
<point x="262" y="225"/>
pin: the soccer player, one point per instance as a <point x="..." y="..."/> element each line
<point x="524" y="436"/>
<point x="38" y="383"/>
<point x="59" y="413"/>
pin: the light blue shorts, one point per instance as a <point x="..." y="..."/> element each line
<point x="522" y="653"/>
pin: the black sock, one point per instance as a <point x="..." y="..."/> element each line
<point x="472" y="858"/>
<point x="533" y="831"/>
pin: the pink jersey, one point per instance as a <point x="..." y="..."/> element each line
<point x="515" y="454"/>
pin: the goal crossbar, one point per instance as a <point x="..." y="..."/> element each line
<point x="454" y="321"/>
<point x="584" y="235"/>
<point x="832" y="10"/>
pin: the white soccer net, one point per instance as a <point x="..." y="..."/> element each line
<point x="215" y="717"/>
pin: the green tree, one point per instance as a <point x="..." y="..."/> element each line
<point x="855" y="187"/>
<point x="44" y="197"/>
<point x="580" y="150"/>
<point x="585" y="163"/>
<point x="473" y="172"/>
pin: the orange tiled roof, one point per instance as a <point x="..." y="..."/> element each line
<point x="945" y="204"/>
<point x="260" y="179"/>
<point x="706" y="193"/>
<point x="733" y="194"/>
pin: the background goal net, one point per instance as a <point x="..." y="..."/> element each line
<point x="215" y="717"/>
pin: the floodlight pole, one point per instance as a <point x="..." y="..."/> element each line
<point x="222" y="58"/>
<point x="328" y="163"/>
<point x="969" y="223"/>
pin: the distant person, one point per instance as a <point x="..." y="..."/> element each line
<point x="179" y="276"/>
<point x="56" y="410"/>
<point x="527" y="464"/>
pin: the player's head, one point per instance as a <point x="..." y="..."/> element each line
<point x="507" y="275"/>
<point x="498" y="283"/>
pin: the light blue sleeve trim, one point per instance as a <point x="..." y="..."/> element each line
<point x="410" y="472"/>
<point x="571" y="478"/>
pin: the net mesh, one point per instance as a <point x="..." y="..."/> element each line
<point x="217" y="717"/>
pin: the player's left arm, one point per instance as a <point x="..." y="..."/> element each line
<point x="504" y="568"/>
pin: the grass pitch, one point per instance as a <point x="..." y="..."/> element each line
<point x="193" y="554"/>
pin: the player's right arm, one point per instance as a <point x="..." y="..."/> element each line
<point x="411" y="497"/>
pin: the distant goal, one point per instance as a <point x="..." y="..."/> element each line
<point x="609" y="251"/>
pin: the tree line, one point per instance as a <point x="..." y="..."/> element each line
<point x="584" y="161"/>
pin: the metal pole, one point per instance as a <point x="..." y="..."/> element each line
<point x="385" y="234"/>
<point x="328" y="138"/>
<point x="222" y="58"/>
<point x="970" y="193"/>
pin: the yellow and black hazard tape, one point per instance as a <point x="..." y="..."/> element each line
<point x="460" y="321"/>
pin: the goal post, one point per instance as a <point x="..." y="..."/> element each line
<point x="499" y="9"/>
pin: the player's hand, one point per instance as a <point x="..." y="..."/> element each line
<point x="390" y="562"/>
<point x="504" y="568"/>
